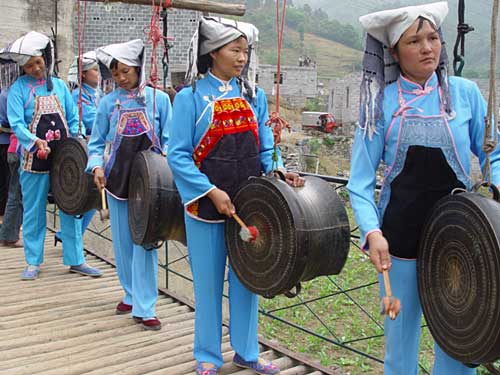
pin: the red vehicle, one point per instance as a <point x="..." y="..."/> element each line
<point x="328" y="122"/>
<point x="322" y="121"/>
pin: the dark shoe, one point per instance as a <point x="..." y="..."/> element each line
<point x="57" y="239"/>
<point x="261" y="366"/>
<point x="150" y="324"/>
<point x="16" y="244"/>
<point x="206" y="368"/>
<point x="123" y="308"/>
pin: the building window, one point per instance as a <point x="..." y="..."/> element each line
<point x="347" y="97"/>
<point x="257" y="78"/>
<point x="281" y="78"/>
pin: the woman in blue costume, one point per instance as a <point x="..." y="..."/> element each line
<point x="90" y="98"/>
<point x="41" y="112"/>
<point x="218" y="139"/>
<point x="422" y="126"/>
<point x="125" y="122"/>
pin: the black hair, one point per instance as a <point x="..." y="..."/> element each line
<point x="204" y="63"/>
<point x="114" y="64"/>
<point x="421" y="21"/>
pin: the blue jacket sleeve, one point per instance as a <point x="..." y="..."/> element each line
<point x="266" y="137"/>
<point x="70" y="108"/>
<point x="97" y="141"/>
<point x="3" y="108"/>
<point x="165" y="122"/>
<point x="476" y="132"/>
<point x="191" y="183"/>
<point x="366" y="156"/>
<point x="15" y="113"/>
<point x="88" y="109"/>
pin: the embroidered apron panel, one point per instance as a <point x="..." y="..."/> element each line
<point x="426" y="168"/>
<point x="48" y="123"/>
<point x="228" y="153"/>
<point x="133" y="134"/>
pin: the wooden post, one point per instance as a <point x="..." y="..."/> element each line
<point x="200" y="5"/>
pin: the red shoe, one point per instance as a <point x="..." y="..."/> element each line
<point x="123" y="308"/>
<point x="152" y="324"/>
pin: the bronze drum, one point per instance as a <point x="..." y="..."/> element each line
<point x="74" y="190"/>
<point x="155" y="211"/>
<point x="303" y="233"/>
<point x="458" y="269"/>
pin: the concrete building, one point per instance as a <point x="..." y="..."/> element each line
<point x="20" y="16"/>
<point x="118" y="22"/>
<point x="343" y="101"/>
<point x="297" y="82"/>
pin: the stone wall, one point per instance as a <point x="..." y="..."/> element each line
<point x="298" y="83"/>
<point x="123" y="22"/>
<point x="20" y="16"/>
<point x="343" y="100"/>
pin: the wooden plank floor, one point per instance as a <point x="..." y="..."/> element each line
<point x="64" y="324"/>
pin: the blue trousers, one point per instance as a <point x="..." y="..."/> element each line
<point x="13" y="216"/>
<point x="207" y="255"/>
<point x="402" y="335"/>
<point x="137" y="267"/>
<point x="86" y="219"/>
<point x="35" y="187"/>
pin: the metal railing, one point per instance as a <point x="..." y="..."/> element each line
<point x="305" y="315"/>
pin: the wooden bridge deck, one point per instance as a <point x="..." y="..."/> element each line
<point x="64" y="323"/>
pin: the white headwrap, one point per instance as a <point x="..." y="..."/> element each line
<point x="384" y="29"/>
<point x="214" y="33"/>
<point x="217" y="32"/>
<point x="387" y="26"/>
<point x="29" y="45"/>
<point x="89" y="61"/>
<point x="130" y="53"/>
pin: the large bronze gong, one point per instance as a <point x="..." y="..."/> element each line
<point x="303" y="233"/>
<point x="74" y="190"/>
<point x="459" y="276"/>
<point x="155" y="211"/>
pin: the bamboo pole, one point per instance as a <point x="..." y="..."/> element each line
<point x="200" y="5"/>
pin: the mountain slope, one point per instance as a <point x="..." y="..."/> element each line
<point x="333" y="59"/>
<point x="477" y="14"/>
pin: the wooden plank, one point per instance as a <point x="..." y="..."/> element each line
<point x="65" y="324"/>
<point x="199" y="5"/>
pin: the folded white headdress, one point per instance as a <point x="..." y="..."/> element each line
<point x="215" y="32"/>
<point x="387" y="26"/>
<point x="29" y="45"/>
<point x="89" y="61"/>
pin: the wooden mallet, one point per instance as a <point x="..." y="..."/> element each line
<point x="104" y="211"/>
<point x="247" y="233"/>
<point x="390" y="304"/>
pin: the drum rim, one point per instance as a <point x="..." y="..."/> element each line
<point x="480" y="205"/>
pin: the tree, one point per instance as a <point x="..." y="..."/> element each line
<point x="254" y="4"/>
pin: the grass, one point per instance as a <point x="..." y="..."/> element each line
<point x="341" y="320"/>
<point x="332" y="59"/>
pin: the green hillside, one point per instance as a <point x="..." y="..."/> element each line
<point x="335" y="46"/>
<point x="477" y="14"/>
<point x="333" y="59"/>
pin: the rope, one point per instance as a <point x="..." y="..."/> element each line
<point x="490" y="132"/>
<point x="166" y="46"/>
<point x="81" y="46"/>
<point x="462" y="29"/>
<point x="154" y="37"/>
<point x="275" y="120"/>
